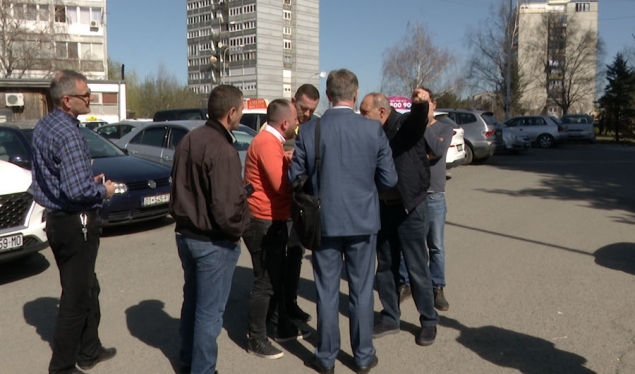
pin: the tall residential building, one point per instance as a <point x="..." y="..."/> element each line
<point x="549" y="55"/>
<point x="267" y="48"/>
<point x="39" y="37"/>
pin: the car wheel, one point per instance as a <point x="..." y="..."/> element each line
<point x="545" y="141"/>
<point x="469" y="155"/>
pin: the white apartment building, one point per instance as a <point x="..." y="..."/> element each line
<point x="557" y="39"/>
<point x="267" y="48"/>
<point x="40" y="37"/>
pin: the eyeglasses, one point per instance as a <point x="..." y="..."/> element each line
<point x="84" y="96"/>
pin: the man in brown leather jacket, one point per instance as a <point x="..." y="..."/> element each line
<point x="208" y="202"/>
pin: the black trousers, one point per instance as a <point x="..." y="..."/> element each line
<point x="76" y="336"/>
<point x="266" y="242"/>
<point x="293" y="266"/>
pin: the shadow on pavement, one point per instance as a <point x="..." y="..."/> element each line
<point x="23" y="268"/>
<point x="41" y="314"/>
<point x="510" y="349"/>
<point x="148" y="322"/>
<point x="591" y="173"/>
<point x="618" y="256"/>
<point x="133" y="228"/>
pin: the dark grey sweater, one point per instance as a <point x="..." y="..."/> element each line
<point x="438" y="137"/>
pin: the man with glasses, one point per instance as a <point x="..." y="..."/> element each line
<point x="64" y="184"/>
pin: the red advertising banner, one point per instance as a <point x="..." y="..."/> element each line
<point x="400" y="102"/>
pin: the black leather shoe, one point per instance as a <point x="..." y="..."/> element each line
<point x="103" y="355"/>
<point x="366" y="369"/>
<point x="382" y="329"/>
<point x="427" y="335"/>
<point x="315" y="364"/>
<point x="297" y="314"/>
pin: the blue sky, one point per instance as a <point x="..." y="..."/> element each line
<point x="353" y="33"/>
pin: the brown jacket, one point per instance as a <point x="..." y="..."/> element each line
<point x="208" y="199"/>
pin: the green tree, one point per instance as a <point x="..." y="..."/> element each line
<point x="618" y="102"/>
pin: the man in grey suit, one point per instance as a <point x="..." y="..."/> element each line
<point x="356" y="162"/>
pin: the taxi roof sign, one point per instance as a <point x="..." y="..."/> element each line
<point x="256" y="104"/>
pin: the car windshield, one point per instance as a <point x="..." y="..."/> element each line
<point x="557" y="121"/>
<point x="98" y="146"/>
<point x="490" y="119"/>
<point x="243" y="140"/>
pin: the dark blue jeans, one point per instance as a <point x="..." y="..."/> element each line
<point x="435" y="227"/>
<point x="404" y="233"/>
<point x="208" y="268"/>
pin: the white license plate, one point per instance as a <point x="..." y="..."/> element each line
<point x="10" y="242"/>
<point x="459" y="147"/>
<point x="156" y="200"/>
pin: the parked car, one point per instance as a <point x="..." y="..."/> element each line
<point x="455" y="155"/>
<point x="116" y="130"/>
<point x="546" y="131"/>
<point x="182" y="114"/>
<point x="92" y="124"/>
<point x="479" y="134"/>
<point x="157" y="141"/>
<point x="22" y="220"/>
<point x="143" y="187"/>
<point x="254" y="118"/>
<point x="579" y="127"/>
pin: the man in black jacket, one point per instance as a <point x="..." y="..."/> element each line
<point x="208" y="203"/>
<point x="403" y="214"/>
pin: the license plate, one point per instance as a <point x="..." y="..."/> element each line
<point x="155" y="200"/>
<point x="10" y="242"/>
<point x="459" y="147"/>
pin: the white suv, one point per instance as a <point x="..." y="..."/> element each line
<point x="22" y="220"/>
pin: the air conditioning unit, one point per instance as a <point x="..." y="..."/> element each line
<point x="94" y="24"/>
<point x="14" y="99"/>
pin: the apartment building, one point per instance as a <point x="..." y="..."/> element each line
<point x="40" y="37"/>
<point x="549" y="45"/>
<point x="267" y="48"/>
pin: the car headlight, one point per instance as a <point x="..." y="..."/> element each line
<point x="120" y="188"/>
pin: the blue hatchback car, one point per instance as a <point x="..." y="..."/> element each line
<point x="142" y="187"/>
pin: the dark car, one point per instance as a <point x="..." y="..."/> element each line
<point x="186" y="114"/>
<point x="142" y="187"/>
<point x="115" y="131"/>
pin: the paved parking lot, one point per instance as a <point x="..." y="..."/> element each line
<point x="540" y="268"/>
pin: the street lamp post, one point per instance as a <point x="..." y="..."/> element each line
<point x="224" y="56"/>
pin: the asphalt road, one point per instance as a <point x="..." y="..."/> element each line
<point x="540" y="272"/>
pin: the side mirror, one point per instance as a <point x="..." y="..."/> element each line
<point x="21" y="162"/>
<point x="124" y="150"/>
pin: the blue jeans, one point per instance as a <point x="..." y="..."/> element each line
<point x="208" y="268"/>
<point x="403" y="232"/>
<point x="435" y="227"/>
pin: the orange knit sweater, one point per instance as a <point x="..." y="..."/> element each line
<point x="266" y="169"/>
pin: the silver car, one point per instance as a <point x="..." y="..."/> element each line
<point x="156" y="141"/>
<point x="479" y="133"/>
<point x="545" y="131"/>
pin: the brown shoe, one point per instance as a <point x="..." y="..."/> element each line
<point x="439" y="300"/>
<point x="404" y="292"/>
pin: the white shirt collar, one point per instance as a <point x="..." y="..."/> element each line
<point x="276" y="133"/>
<point x="342" y="107"/>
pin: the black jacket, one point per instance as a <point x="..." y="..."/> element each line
<point x="405" y="133"/>
<point x="208" y="200"/>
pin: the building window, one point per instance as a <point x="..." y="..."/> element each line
<point x="287" y="59"/>
<point x="60" y="13"/>
<point x="67" y="50"/>
<point x="582" y="7"/>
<point x="286" y="88"/>
<point x="286" y="14"/>
<point x="286" y="30"/>
<point x="91" y="51"/>
<point x="287" y="44"/>
<point x="287" y="2"/>
<point x="43" y="12"/>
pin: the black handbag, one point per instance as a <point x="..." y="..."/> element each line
<point x="305" y="207"/>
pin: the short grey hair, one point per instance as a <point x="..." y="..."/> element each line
<point x="64" y="83"/>
<point x="379" y="100"/>
<point x="341" y="85"/>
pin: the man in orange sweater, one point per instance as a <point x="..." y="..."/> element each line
<point x="266" y="168"/>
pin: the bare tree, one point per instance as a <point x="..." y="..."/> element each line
<point x="492" y="49"/>
<point x="565" y="54"/>
<point x="415" y="62"/>
<point x="26" y="38"/>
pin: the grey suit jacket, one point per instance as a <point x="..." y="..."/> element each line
<point x="356" y="162"/>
